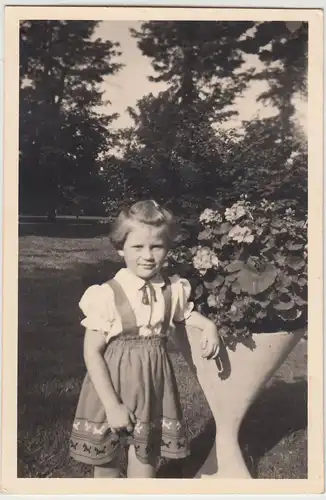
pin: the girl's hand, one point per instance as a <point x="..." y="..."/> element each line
<point x="210" y="342"/>
<point x="119" y="417"/>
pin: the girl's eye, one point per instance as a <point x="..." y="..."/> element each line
<point x="155" y="247"/>
<point x="137" y="246"/>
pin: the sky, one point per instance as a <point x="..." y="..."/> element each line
<point x="131" y="82"/>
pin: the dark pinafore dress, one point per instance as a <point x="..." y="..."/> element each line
<point x="142" y="375"/>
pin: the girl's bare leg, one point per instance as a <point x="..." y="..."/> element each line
<point x="109" y="470"/>
<point x="138" y="469"/>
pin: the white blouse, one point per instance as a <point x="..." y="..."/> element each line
<point x="101" y="313"/>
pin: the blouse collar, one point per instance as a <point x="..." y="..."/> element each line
<point x="131" y="280"/>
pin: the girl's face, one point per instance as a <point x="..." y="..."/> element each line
<point x="144" y="250"/>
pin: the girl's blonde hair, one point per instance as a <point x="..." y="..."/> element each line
<point x="146" y="212"/>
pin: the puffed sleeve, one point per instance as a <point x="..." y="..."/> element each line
<point x="97" y="304"/>
<point x="181" y="290"/>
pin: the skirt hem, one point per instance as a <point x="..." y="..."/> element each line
<point x="93" y="461"/>
<point x="108" y="460"/>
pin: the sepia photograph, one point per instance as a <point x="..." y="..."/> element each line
<point x="162" y="314"/>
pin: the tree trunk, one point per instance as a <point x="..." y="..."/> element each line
<point x="52" y="214"/>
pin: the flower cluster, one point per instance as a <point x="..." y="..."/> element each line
<point x="204" y="259"/>
<point x="251" y="263"/>
<point x="209" y="216"/>
<point x="241" y="234"/>
<point x="236" y="212"/>
<point x="266" y="205"/>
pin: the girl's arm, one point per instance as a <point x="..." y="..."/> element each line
<point x="94" y="347"/>
<point x="210" y="336"/>
<point x="197" y="320"/>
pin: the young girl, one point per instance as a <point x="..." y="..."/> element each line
<point x="129" y="396"/>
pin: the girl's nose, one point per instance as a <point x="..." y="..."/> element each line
<point x="147" y="254"/>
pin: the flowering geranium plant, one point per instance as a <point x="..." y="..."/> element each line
<point x="249" y="268"/>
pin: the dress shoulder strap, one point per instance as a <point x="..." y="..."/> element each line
<point x="127" y="315"/>
<point x="167" y="295"/>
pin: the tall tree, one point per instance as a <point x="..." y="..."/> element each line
<point x="172" y="152"/>
<point x="278" y="146"/>
<point x="201" y="64"/>
<point x="62" y="131"/>
<point x="283" y="48"/>
<point x="198" y="60"/>
<point x="262" y="165"/>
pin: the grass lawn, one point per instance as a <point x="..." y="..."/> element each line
<point x="56" y="265"/>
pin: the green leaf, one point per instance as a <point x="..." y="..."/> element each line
<point x="222" y="293"/>
<point x="199" y="292"/>
<point x="218" y="281"/>
<point x="224" y="331"/>
<point x="294" y="247"/>
<point x="269" y="243"/>
<point x="231" y="277"/>
<point x="236" y="288"/>
<point x="284" y="305"/>
<point x="295" y="263"/>
<point x="263" y="303"/>
<point x="291" y="315"/>
<point x="301" y="281"/>
<point x="236" y="315"/>
<point x="235" y="265"/>
<point x="224" y="228"/>
<point x="302" y="291"/>
<point x="285" y="281"/>
<point x="217" y="245"/>
<point x="206" y="234"/>
<point x="299" y="301"/>
<point x="253" y="282"/>
<point x="280" y="259"/>
<point x="225" y="240"/>
<point x="277" y="223"/>
<point x="253" y="262"/>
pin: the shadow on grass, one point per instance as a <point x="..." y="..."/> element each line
<point x="49" y="317"/>
<point x="80" y="228"/>
<point x="63" y="229"/>
<point x="51" y="370"/>
<point x="99" y="273"/>
<point x="280" y="411"/>
<point x="51" y="365"/>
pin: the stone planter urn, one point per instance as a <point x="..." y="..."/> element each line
<point x="230" y="384"/>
